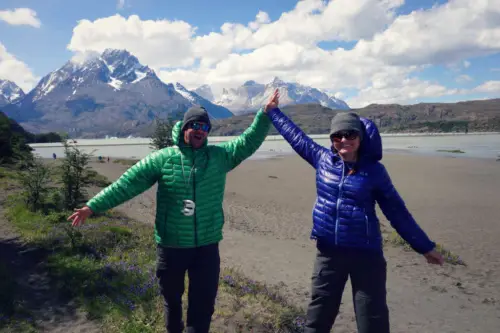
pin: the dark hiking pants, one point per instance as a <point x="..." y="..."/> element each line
<point x="203" y="267"/>
<point x="367" y="271"/>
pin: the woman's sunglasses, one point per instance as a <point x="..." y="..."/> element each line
<point x="349" y="135"/>
<point x="199" y="126"/>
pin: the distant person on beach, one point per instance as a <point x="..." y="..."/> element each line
<point x="349" y="180"/>
<point x="191" y="180"/>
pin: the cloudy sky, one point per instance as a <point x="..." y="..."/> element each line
<point x="364" y="51"/>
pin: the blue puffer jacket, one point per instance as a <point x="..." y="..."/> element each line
<point x="344" y="212"/>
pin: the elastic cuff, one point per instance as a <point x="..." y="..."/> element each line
<point x="423" y="250"/>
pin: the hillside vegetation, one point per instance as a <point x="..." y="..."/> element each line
<point x="470" y="116"/>
<point x="14" y="139"/>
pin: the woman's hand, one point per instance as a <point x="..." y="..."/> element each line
<point x="80" y="215"/>
<point x="434" y="257"/>
<point x="273" y="101"/>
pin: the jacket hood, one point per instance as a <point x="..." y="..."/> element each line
<point x="177" y="135"/>
<point x="370" y="149"/>
<point x="371" y="145"/>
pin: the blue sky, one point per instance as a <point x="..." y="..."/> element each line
<point x="46" y="50"/>
<point x="428" y="60"/>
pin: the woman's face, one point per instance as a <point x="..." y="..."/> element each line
<point x="346" y="142"/>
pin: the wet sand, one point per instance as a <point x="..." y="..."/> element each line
<point x="456" y="201"/>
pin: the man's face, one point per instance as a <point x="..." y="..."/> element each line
<point x="196" y="133"/>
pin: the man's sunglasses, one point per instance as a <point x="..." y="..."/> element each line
<point x="349" y="135"/>
<point x="199" y="126"/>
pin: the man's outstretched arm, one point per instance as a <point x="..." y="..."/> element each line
<point x="133" y="182"/>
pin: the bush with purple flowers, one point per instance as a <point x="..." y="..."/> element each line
<point x="107" y="267"/>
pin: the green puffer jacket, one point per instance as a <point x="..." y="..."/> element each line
<point x="183" y="173"/>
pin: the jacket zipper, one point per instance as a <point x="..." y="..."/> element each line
<point x="338" y="204"/>
<point x="194" y="199"/>
<point x="367" y="230"/>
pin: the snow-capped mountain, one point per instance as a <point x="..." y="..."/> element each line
<point x="206" y="92"/>
<point x="214" y="111"/>
<point x="252" y="95"/>
<point x="9" y="92"/>
<point x="108" y="94"/>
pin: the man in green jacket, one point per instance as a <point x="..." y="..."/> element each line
<point x="191" y="179"/>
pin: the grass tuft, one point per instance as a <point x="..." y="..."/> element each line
<point x="454" y="151"/>
<point x="129" y="162"/>
<point x="396" y="240"/>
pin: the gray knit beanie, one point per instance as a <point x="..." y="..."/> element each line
<point x="195" y="113"/>
<point x="346" y="121"/>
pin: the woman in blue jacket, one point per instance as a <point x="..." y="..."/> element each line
<point x="349" y="180"/>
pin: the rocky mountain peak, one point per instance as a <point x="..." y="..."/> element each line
<point x="206" y="92"/>
<point x="9" y="92"/>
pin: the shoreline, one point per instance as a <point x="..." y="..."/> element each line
<point x="216" y="139"/>
<point x="286" y="150"/>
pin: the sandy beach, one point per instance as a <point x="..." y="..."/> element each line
<point x="456" y="200"/>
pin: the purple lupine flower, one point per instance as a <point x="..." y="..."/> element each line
<point x="300" y="322"/>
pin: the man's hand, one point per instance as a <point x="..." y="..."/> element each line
<point x="273" y="101"/>
<point x="434" y="257"/>
<point x="80" y="215"/>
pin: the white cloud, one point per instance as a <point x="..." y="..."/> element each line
<point x="463" y="78"/>
<point x="15" y="70"/>
<point x="314" y="20"/>
<point x="388" y="49"/>
<point x="160" y="43"/>
<point x="120" y="4"/>
<point x="82" y="57"/>
<point x="260" y="19"/>
<point x="458" y="66"/>
<point x="488" y="87"/>
<point x="451" y="32"/>
<point x="310" y="22"/>
<point x="407" y="91"/>
<point x="20" y="16"/>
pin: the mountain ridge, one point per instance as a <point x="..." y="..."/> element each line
<point x="104" y="95"/>
<point x="113" y="94"/>
<point x="464" y="116"/>
<point x="251" y="95"/>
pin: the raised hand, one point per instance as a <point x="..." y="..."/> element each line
<point x="80" y="215"/>
<point x="273" y="101"/>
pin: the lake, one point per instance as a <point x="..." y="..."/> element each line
<point x="475" y="145"/>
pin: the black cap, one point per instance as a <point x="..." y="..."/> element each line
<point x="345" y="121"/>
<point x="195" y="113"/>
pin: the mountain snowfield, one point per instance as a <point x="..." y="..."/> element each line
<point x="206" y="92"/>
<point x="214" y="111"/>
<point x="252" y="95"/>
<point x="9" y="92"/>
<point x="108" y="94"/>
<point x="112" y="93"/>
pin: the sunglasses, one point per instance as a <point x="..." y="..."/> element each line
<point x="348" y="135"/>
<point x="199" y="126"/>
